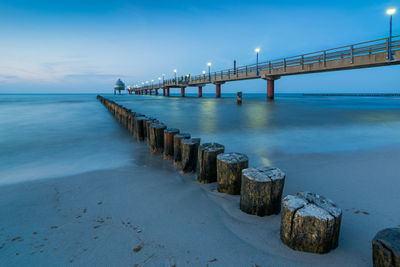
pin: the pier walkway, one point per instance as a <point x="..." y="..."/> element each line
<point x="380" y="52"/>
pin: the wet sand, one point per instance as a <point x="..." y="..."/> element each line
<point x="150" y="215"/>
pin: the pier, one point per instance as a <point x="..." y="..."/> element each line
<point x="375" y="53"/>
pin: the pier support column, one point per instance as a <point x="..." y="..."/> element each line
<point x="200" y="91"/>
<point x="182" y="91"/>
<point x="218" y="90"/>
<point x="145" y="91"/>
<point x="270" y="89"/>
<point x="271" y="86"/>
<point x="163" y="91"/>
<point x="167" y="91"/>
<point x="156" y="92"/>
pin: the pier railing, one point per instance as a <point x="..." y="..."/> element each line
<point x="251" y="71"/>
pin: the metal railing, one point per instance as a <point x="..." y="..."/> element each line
<point x="250" y="71"/>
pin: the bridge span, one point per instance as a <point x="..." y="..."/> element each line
<point x="376" y="53"/>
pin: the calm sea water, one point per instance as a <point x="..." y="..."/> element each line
<point x="56" y="135"/>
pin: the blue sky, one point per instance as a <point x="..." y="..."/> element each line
<point x="84" y="46"/>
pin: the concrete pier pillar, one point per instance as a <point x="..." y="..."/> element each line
<point x="182" y="91"/>
<point x="156" y="91"/>
<point x="167" y="91"/>
<point x="270" y="89"/>
<point x="218" y="90"/>
<point x="150" y="92"/>
<point x="163" y="91"/>
<point x="145" y="91"/>
<point x="200" y="91"/>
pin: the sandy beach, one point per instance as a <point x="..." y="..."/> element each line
<point x="148" y="214"/>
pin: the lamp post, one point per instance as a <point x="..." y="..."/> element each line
<point x="257" y="50"/>
<point x="209" y="70"/>
<point x="175" y="71"/>
<point x="159" y="81"/>
<point x="163" y="79"/>
<point x="390" y="12"/>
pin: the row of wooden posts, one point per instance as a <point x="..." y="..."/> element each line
<point x="310" y="222"/>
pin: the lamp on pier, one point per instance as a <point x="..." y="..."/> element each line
<point x="390" y="12"/>
<point x="163" y="78"/>
<point x="175" y="71"/>
<point x="209" y="70"/>
<point x="257" y="50"/>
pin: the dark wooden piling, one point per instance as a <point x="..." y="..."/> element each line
<point x="310" y="223"/>
<point x="239" y="98"/>
<point x="229" y="172"/>
<point x="157" y="137"/>
<point x="178" y="147"/>
<point x="189" y="154"/>
<point x="147" y="124"/>
<point x="207" y="160"/>
<point x="139" y="128"/>
<point x="261" y="190"/>
<point x="137" y="115"/>
<point x="386" y="248"/>
<point x="131" y="119"/>
<point x="169" y="142"/>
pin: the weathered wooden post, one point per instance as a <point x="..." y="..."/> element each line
<point x="130" y="122"/>
<point x="310" y="223"/>
<point x="157" y="137"/>
<point x="169" y="142"/>
<point x="189" y="154"/>
<point x="178" y="146"/>
<point x="229" y="172"/>
<point x="239" y="98"/>
<point x="139" y="128"/>
<point x="207" y="158"/>
<point x="147" y="125"/>
<point x="386" y="248"/>
<point x="137" y="116"/>
<point x="261" y="190"/>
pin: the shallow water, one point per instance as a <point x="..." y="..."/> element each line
<point x="56" y="135"/>
<point x="288" y="127"/>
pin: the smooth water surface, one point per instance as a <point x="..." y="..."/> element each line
<point x="289" y="126"/>
<point x="44" y="136"/>
<point x="57" y="135"/>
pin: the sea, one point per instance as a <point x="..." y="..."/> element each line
<point x="56" y="135"/>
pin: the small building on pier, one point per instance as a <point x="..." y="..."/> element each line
<point x="119" y="86"/>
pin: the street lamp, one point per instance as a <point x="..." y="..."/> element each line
<point x="209" y="70"/>
<point x="163" y="78"/>
<point x="152" y="83"/>
<point x="159" y="81"/>
<point x="175" y="71"/>
<point x="390" y="12"/>
<point x="257" y="50"/>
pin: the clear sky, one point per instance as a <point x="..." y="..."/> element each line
<point x="84" y="46"/>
